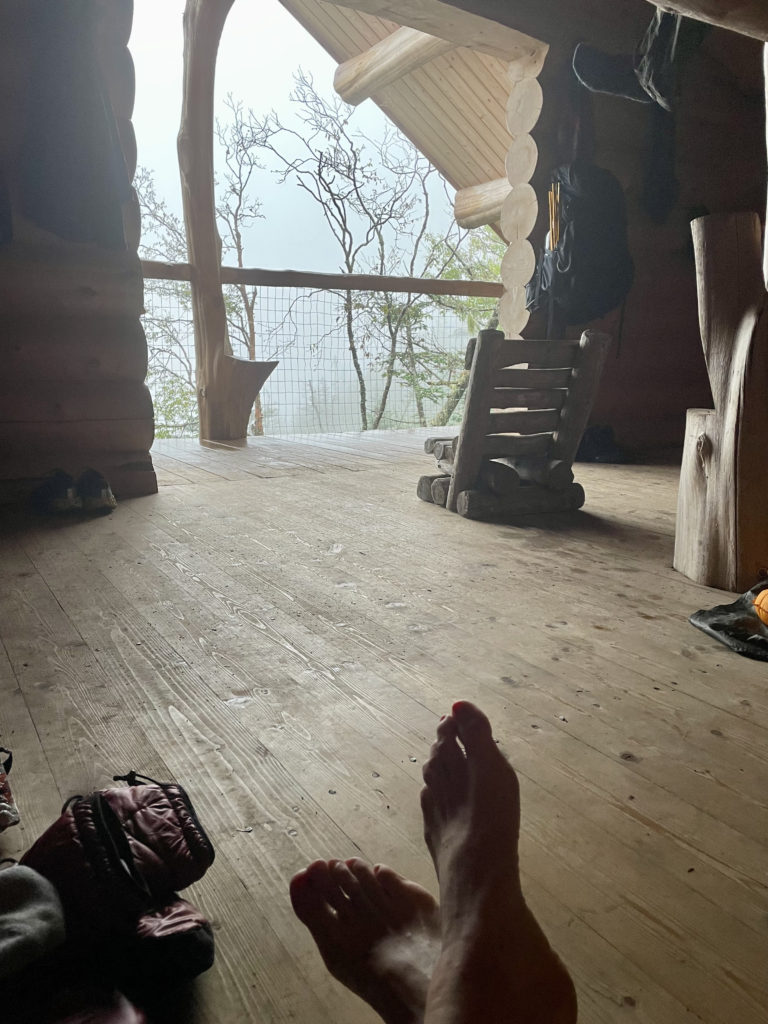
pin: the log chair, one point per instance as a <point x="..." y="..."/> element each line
<point x="521" y="427"/>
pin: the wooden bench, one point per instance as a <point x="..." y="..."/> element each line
<point x="527" y="406"/>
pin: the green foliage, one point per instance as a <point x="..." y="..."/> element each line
<point x="477" y="259"/>
<point x="175" y="406"/>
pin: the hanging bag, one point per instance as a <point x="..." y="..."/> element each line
<point x="590" y="270"/>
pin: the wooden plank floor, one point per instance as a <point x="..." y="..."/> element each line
<point x="280" y="628"/>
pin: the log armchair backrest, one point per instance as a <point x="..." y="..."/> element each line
<point x="528" y="404"/>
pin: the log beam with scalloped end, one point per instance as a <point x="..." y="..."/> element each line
<point x="387" y="61"/>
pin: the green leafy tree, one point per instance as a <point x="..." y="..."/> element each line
<point x="381" y="201"/>
<point x="376" y="196"/>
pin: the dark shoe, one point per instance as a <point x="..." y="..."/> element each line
<point x="56" y="494"/>
<point x="95" y="493"/>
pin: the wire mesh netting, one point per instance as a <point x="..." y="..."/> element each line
<point x="347" y="360"/>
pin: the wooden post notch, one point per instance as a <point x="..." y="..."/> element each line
<point x="721" y="538"/>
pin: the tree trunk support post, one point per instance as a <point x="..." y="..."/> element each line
<point x="226" y="386"/>
<point x="721" y="538"/>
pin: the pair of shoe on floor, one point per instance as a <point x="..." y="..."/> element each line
<point x="61" y="493"/>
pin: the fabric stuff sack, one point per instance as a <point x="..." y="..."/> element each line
<point x="590" y="271"/>
<point x="117" y="858"/>
<point x="31" y="919"/>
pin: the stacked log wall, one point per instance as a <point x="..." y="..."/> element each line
<point x="656" y="369"/>
<point x="72" y="347"/>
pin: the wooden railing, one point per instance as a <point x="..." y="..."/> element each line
<point x="327" y="282"/>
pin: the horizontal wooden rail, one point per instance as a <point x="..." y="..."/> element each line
<point x="327" y="282"/>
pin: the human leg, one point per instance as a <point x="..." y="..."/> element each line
<point x="496" y="964"/>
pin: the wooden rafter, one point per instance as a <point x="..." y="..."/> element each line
<point x="481" y="204"/>
<point x="505" y="29"/>
<point x="385" y="62"/>
<point x="449" y="23"/>
<point x="750" y="17"/>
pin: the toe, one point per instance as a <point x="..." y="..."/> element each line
<point x="308" y="898"/>
<point x="369" y="883"/>
<point x="352" y="896"/>
<point x="474" y="729"/>
<point x="445" y="771"/>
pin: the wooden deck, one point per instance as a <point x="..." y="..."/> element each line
<point x="280" y="628"/>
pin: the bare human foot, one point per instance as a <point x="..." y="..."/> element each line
<point x="496" y="965"/>
<point x="378" y="933"/>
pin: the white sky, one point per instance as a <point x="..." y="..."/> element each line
<point x="261" y="47"/>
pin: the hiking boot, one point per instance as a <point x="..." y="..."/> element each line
<point x="57" y="494"/>
<point x="95" y="493"/>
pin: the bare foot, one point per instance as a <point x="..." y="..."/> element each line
<point x="378" y="933"/>
<point x="496" y="965"/>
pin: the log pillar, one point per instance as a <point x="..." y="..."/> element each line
<point x="721" y="538"/>
<point x="226" y="386"/>
<point x="72" y="347"/>
<point x="519" y="210"/>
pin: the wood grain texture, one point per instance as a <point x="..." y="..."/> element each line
<point x="747" y="16"/>
<point x="292" y="634"/>
<point x="385" y="62"/>
<point x="722" y="534"/>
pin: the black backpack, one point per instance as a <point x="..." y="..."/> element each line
<point x="590" y="271"/>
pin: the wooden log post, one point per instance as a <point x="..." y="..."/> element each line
<point x="424" y="486"/>
<point x="439" y="490"/>
<point x="431" y="444"/>
<point x="226" y="386"/>
<point x="499" y="477"/>
<point x="552" y="473"/>
<point x="481" y="204"/>
<point x="524" y="501"/>
<point x="721" y="538"/>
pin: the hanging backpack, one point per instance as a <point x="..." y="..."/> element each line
<point x="590" y="270"/>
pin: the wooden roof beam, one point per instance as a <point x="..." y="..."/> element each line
<point x="750" y="17"/>
<point x="481" y="204"/>
<point x="388" y="60"/>
<point x="508" y="28"/>
<point x="462" y="28"/>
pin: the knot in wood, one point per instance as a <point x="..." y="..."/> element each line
<point x="703" y="449"/>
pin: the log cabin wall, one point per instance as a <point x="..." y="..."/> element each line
<point x="656" y="369"/>
<point x="72" y="348"/>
